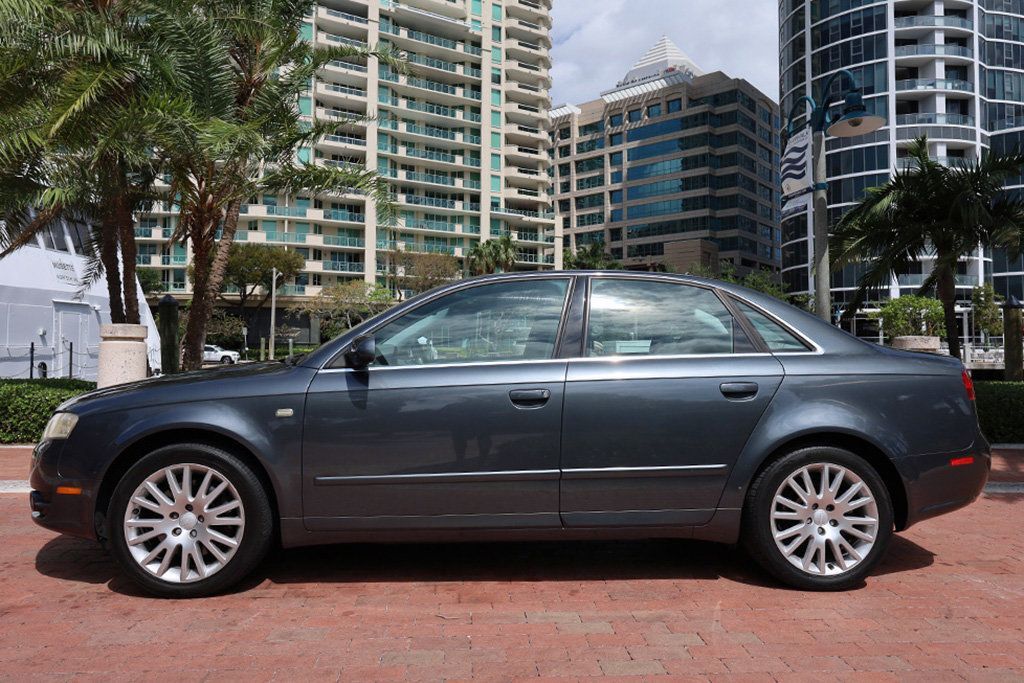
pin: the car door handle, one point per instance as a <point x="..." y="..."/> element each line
<point x="739" y="390"/>
<point x="529" y="398"/>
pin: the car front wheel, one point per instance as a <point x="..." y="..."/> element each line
<point x="227" y="360"/>
<point x="818" y="519"/>
<point x="189" y="520"/>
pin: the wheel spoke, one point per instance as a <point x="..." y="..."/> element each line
<point x="792" y="504"/>
<point x="158" y="495"/>
<point x="172" y="482"/>
<point x="148" y="504"/>
<point x="142" y="538"/>
<point x="795" y="529"/>
<point x="221" y="509"/>
<point x="837" y="553"/>
<point x="165" y="546"/>
<point x="222" y="539"/>
<point x="186" y="482"/>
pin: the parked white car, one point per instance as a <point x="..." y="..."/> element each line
<point x="215" y="354"/>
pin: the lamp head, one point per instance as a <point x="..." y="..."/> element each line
<point x="855" y="119"/>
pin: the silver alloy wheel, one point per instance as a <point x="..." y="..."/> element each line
<point x="824" y="519"/>
<point x="184" y="523"/>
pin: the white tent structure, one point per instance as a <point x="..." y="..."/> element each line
<point x="46" y="320"/>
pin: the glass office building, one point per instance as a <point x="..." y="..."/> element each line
<point x="671" y="168"/>
<point x="949" y="69"/>
<point x="463" y="138"/>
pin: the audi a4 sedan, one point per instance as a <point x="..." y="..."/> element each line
<point x="556" y="405"/>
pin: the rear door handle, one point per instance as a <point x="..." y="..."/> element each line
<point x="529" y="398"/>
<point x="739" y="390"/>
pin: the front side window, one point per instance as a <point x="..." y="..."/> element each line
<point x="504" y="321"/>
<point x="775" y="336"/>
<point x="650" y="318"/>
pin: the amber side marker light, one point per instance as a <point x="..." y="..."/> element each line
<point x="69" y="490"/>
<point x="959" y="462"/>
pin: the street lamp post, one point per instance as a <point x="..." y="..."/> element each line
<point x="853" y="121"/>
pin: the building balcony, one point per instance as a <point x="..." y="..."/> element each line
<point x="526" y="72"/>
<point x="337" y="92"/>
<point x="441" y="93"/>
<point x="344" y="143"/>
<point x="337" y="20"/>
<point x="428" y="111"/>
<point x="528" y="135"/>
<point x="443" y="13"/>
<point x="526" y="50"/>
<point x="530" y="31"/>
<point x="524" y="92"/>
<point x="335" y="39"/>
<point x="343" y="241"/>
<point x="438" y="136"/>
<point x="527" y="114"/>
<point x="928" y="85"/>
<point x="933" y="118"/>
<point x="929" y="21"/>
<point x="424" y="42"/>
<point x="532" y="10"/>
<point x="341" y="66"/>
<point x="933" y="50"/>
<point x="344" y="266"/>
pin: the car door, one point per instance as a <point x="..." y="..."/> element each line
<point x="456" y="423"/>
<point x="669" y="387"/>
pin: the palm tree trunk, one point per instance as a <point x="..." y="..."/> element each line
<point x="201" y="308"/>
<point x="220" y="260"/>
<point x="129" y="252"/>
<point x="946" y="289"/>
<point x="111" y="268"/>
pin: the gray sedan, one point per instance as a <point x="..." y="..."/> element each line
<point x="559" y="405"/>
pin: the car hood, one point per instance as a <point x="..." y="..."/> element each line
<point x="221" y="383"/>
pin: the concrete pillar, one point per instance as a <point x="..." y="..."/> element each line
<point x="123" y="354"/>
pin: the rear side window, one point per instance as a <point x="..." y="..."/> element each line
<point x="649" y="318"/>
<point x="775" y="336"/>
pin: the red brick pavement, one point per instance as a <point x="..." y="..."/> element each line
<point x="946" y="604"/>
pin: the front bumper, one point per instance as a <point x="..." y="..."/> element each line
<point x="935" y="486"/>
<point x="67" y="513"/>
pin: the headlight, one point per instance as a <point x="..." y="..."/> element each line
<point x="60" y="426"/>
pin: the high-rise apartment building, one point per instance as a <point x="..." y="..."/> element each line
<point x="949" y="69"/>
<point x="463" y="139"/>
<point x="671" y="168"/>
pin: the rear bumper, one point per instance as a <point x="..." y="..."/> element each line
<point x="66" y="513"/>
<point x="935" y="486"/>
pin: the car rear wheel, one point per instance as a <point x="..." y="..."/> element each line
<point x="818" y="519"/>
<point x="189" y="520"/>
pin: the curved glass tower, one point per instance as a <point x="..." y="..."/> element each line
<point x="949" y="69"/>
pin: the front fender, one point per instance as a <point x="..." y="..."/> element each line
<point x="252" y="423"/>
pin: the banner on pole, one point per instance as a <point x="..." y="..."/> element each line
<point x="796" y="175"/>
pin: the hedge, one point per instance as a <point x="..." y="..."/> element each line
<point x="1001" y="410"/>
<point x="26" y="405"/>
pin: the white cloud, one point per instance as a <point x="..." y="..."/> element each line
<point x="595" y="42"/>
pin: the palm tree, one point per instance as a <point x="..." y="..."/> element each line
<point x="80" y="99"/>
<point x="248" y="66"/>
<point x="496" y="255"/>
<point x="931" y="209"/>
<point x="590" y="257"/>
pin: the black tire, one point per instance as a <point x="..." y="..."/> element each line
<point x="758" y="527"/>
<point x="226" y="360"/>
<point x="256" y="537"/>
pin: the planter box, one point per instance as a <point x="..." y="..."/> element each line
<point x="921" y="344"/>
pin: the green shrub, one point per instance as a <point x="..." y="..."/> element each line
<point x="26" y="405"/>
<point x="911" y="316"/>
<point x="1000" y="409"/>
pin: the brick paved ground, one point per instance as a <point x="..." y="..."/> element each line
<point x="947" y="604"/>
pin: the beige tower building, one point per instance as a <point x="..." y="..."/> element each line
<point x="464" y="141"/>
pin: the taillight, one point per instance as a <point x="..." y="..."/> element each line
<point x="968" y="384"/>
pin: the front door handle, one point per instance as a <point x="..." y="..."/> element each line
<point x="738" y="391"/>
<point x="529" y="398"/>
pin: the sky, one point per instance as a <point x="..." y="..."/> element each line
<point x="595" y="42"/>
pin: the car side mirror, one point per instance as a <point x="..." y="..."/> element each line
<point x="361" y="353"/>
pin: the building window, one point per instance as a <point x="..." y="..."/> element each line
<point x="615" y="120"/>
<point x="635" y="115"/>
